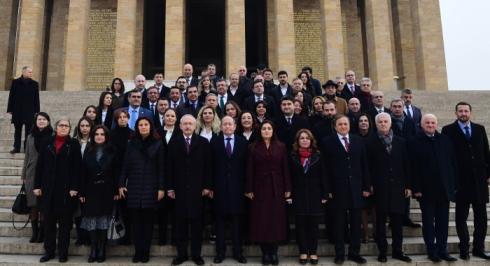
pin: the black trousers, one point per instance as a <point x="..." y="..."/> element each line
<point x="435" y="223"/>
<point x="182" y="226"/>
<point x="142" y="228"/>
<point x="480" y="223"/>
<point x="339" y="222"/>
<point x="166" y="216"/>
<point x="64" y="222"/>
<point x="406" y="217"/>
<point x="307" y="233"/>
<point x="18" y="134"/>
<point x="234" y="220"/>
<point x="268" y="249"/>
<point x="396" y="222"/>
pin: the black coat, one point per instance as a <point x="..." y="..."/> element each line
<point x="142" y="172"/>
<point x="249" y="104"/>
<point x="473" y="159"/>
<point x="323" y="129"/>
<point x="189" y="174"/>
<point x="408" y="128"/>
<point x="347" y="94"/>
<point x="109" y="118"/>
<point x="229" y="175"/>
<point x="57" y="174"/>
<point x="285" y="132"/>
<point x="98" y="182"/>
<point x="277" y="94"/>
<point x="372" y="112"/>
<point x="119" y="138"/>
<point x="347" y="172"/>
<point x="433" y="166"/>
<point x="23" y="100"/>
<point x="187" y="108"/>
<point x="310" y="186"/>
<point x="240" y="95"/>
<point x="389" y="173"/>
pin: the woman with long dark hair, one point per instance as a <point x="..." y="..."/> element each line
<point x="246" y="126"/>
<point x="105" y="110"/>
<point x="117" y="89"/>
<point x="40" y="134"/>
<point x="91" y="112"/>
<point x="262" y="112"/>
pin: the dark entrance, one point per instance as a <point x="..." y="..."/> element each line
<point x="153" y="38"/>
<point x="205" y="34"/>
<point x="256" y="33"/>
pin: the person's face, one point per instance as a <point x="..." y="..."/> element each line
<point x="260" y="109"/>
<point x="283" y="79"/>
<point x="299" y="96"/>
<point x="122" y="121"/>
<point x="117" y="85"/>
<point x="317" y="105"/>
<point x="221" y="87"/>
<point x="350" y="76"/>
<point x="304" y="78"/>
<point x="208" y="115"/>
<point x="27" y="73"/>
<point x="329" y="110"/>
<point x="228" y="126"/>
<point x="242" y="71"/>
<point x="41" y="122"/>
<point x="247" y="120"/>
<point x="211" y="70"/>
<point x="170" y="118"/>
<point x="174" y="95"/>
<point x="354" y="105"/>
<point x="407" y="98"/>
<point x="304" y="141"/>
<point x="99" y="136"/>
<point x="144" y="127"/>
<point x="297" y="108"/>
<point x="297" y="85"/>
<point x="341" y="83"/>
<point x="91" y="113"/>
<point x="139" y="82"/>
<point x="188" y="70"/>
<point x="342" y="126"/>
<point x="153" y="95"/>
<point x="230" y="110"/>
<point x="267" y="75"/>
<point x="187" y="125"/>
<point x="330" y="90"/>
<point x="135" y="99"/>
<point x="259" y="78"/>
<point x="397" y="109"/>
<point x="162" y="106"/>
<point x="429" y="125"/>
<point x="463" y="113"/>
<point x="108" y="100"/>
<point x="287" y="107"/>
<point x="258" y="88"/>
<point x="192" y="94"/>
<point x="63" y="128"/>
<point x="206" y="82"/>
<point x="266" y="131"/>
<point x="366" y="87"/>
<point x="84" y="128"/>
<point x="212" y="101"/>
<point x="158" y="79"/>
<point x="182" y="84"/>
<point x="363" y="123"/>
<point x="378" y="99"/>
<point x="234" y="79"/>
<point x="383" y="124"/>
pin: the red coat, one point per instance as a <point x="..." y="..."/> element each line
<point x="268" y="178"/>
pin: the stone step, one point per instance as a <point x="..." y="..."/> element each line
<point x="7" y="155"/>
<point x="21" y="245"/>
<point x="11" y="162"/>
<point x="10" y="170"/>
<point x="10" y="180"/>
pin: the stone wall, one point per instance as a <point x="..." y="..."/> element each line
<point x="353" y="39"/>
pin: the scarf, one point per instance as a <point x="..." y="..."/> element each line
<point x="58" y="143"/>
<point x="304" y="155"/>
<point x="41" y="136"/>
<point x="387" y="140"/>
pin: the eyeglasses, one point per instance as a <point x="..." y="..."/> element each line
<point x="137" y="97"/>
<point x="63" y="125"/>
<point x="379" y="96"/>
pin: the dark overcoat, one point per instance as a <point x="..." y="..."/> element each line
<point x="23" y="100"/>
<point x="286" y="132"/>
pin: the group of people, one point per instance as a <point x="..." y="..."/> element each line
<point x="254" y="156"/>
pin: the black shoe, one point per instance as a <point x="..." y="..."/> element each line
<point x="339" y="259"/>
<point x="179" y="260"/>
<point x="145" y="258"/>
<point x="93" y="253"/>
<point x="464" y="256"/>
<point x="219" y="259"/>
<point x="434" y="258"/>
<point x="40" y="236"/>
<point x="136" y="257"/>
<point x="14" y="151"/>
<point x="63" y="259"/>
<point x="382" y="258"/>
<point x="313" y="261"/>
<point x="274" y="259"/>
<point x="266" y="260"/>
<point x="240" y="259"/>
<point x="411" y="224"/>
<point x="356" y="258"/>
<point x="480" y="254"/>
<point x="46" y="257"/>
<point x="101" y="251"/>
<point x="401" y="256"/>
<point x="447" y="258"/>
<point x="198" y="260"/>
<point x="303" y="261"/>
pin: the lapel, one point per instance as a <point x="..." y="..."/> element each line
<point x="194" y="142"/>
<point x="340" y="144"/>
<point x="460" y="131"/>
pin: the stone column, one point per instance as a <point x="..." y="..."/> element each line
<point x="332" y="38"/>
<point x="174" y="38"/>
<point x="125" y="59"/>
<point x="30" y="38"/>
<point x="429" y="45"/>
<point x="6" y="37"/>
<point x="235" y="35"/>
<point x="76" y="45"/>
<point x="284" y="48"/>
<point x="379" y="39"/>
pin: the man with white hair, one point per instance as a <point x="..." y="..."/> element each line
<point x="433" y="184"/>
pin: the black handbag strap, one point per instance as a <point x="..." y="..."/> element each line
<point x="20" y="228"/>
<point x="22" y="189"/>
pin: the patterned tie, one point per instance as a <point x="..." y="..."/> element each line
<point x="467" y="132"/>
<point x="289" y="121"/>
<point x="188" y="144"/>
<point x="409" y="114"/>
<point x="222" y="102"/>
<point x="152" y="107"/>
<point x="347" y="144"/>
<point x="228" y="147"/>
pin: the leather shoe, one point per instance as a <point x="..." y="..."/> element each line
<point x="198" y="260"/>
<point x="218" y="259"/>
<point x="411" y="224"/>
<point x="434" y="258"/>
<point x="63" y="259"/>
<point x="179" y="260"/>
<point x="339" y="259"/>
<point x="240" y="259"/>
<point x="401" y="256"/>
<point x="313" y="261"/>
<point x="382" y="258"/>
<point x="302" y="261"/>
<point x="447" y="258"/>
<point x="46" y="257"/>
<point x="14" y="151"/>
<point x="356" y="258"/>
<point x="481" y="254"/>
<point x="464" y="256"/>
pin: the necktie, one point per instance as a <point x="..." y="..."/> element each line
<point x="228" y="147"/>
<point x="352" y="89"/>
<point x="289" y="121"/>
<point x="188" y="144"/>
<point x="132" y="119"/>
<point x="467" y="132"/>
<point x="222" y="102"/>
<point x="175" y="105"/>
<point x="409" y="114"/>
<point x="346" y="143"/>
<point x="152" y="107"/>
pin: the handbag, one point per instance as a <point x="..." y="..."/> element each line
<point x="117" y="230"/>
<point x="20" y="203"/>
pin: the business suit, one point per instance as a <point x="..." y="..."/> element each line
<point x="144" y="97"/>
<point x="373" y="112"/>
<point x="142" y="112"/>
<point x="323" y="129"/>
<point x="188" y="175"/>
<point x="348" y="177"/>
<point x="148" y="104"/>
<point x="188" y="108"/>
<point x="229" y="188"/>
<point x="434" y="171"/>
<point x="108" y="117"/>
<point x="416" y="116"/>
<point x="239" y="96"/>
<point x="347" y="94"/>
<point x="249" y="104"/>
<point x="277" y="93"/>
<point x="473" y="159"/>
<point x="287" y="132"/>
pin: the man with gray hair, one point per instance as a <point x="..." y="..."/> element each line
<point x="23" y="103"/>
<point x="139" y="85"/>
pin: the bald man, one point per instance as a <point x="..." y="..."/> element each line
<point x="188" y="73"/>
<point x="245" y="83"/>
<point x="139" y="85"/>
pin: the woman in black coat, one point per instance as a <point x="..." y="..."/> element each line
<point x="98" y="190"/>
<point x="57" y="184"/>
<point x="247" y="127"/>
<point x="105" y="110"/>
<point x="309" y="193"/>
<point x="142" y="183"/>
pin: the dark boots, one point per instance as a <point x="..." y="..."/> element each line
<point x="93" y="246"/>
<point x="35" y="231"/>
<point x="101" y="244"/>
<point x="40" y="236"/>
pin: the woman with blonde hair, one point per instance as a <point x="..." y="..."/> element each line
<point x="208" y="123"/>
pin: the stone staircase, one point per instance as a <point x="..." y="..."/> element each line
<point x="15" y="248"/>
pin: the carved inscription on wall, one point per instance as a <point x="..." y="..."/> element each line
<point x="101" y="46"/>
<point x="308" y="37"/>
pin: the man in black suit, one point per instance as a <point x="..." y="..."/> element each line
<point x="192" y="105"/>
<point x="354" y="113"/>
<point x="223" y="96"/>
<point x="324" y="128"/>
<point x="282" y="89"/>
<point x="188" y="73"/>
<point x="211" y="71"/>
<point x="229" y="160"/>
<point x="181" y="83"/>
<point x="410" y="110"/>
<point x="349" y="184"/>
<point x="244" y="82"/>
<point x="139" y="85"/>
<point x="288" y="124"/>
<point x="237" y="94"/>
<point x="389" y="170"/>
<point x="470" y="143"/>
<point x="153" y="96"/>
<point x="378" y="102"/>
<point x="175" y="98"/>
<point x="23" y="104"/>
<point x="163" y="90"/>
<point x="433" y="166"/>
<point x="189" y="180"/>
<point x="317" y="85"/>
<point x="351" y="89"/>
<point x="162" y="106"/>
<point x="268" y="81"/>
<point x="258" y="90"/>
